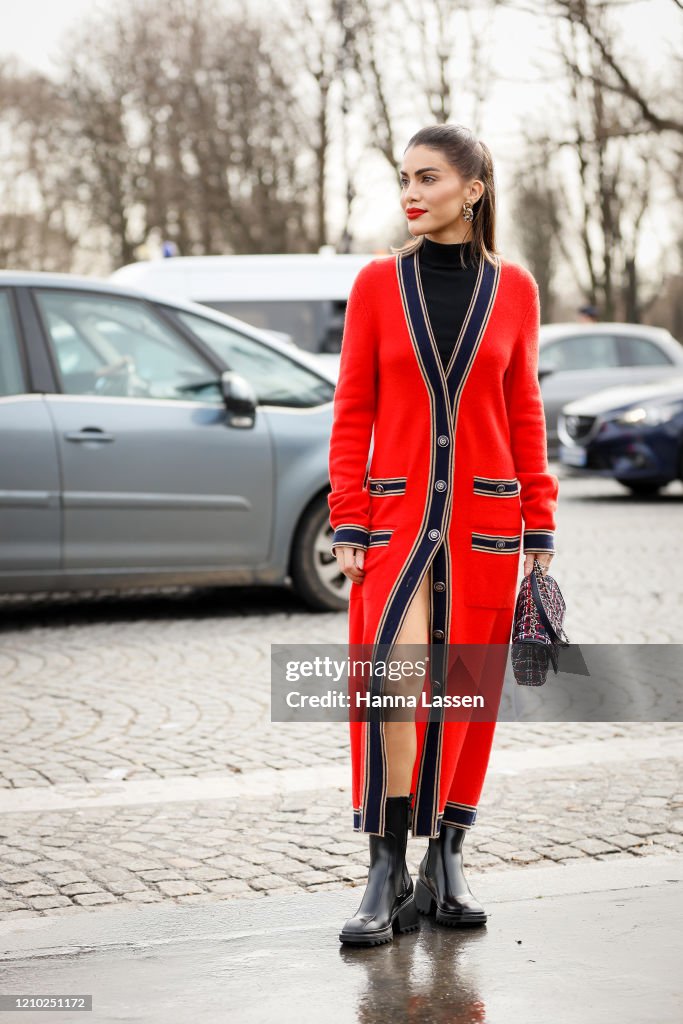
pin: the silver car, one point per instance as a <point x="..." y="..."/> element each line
<point x="150" y="442"/>
<point x="577" y="359"/>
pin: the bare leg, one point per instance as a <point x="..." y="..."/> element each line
<point x="400" y="737"/>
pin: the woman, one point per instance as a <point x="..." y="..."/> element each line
<point x="439" y="358"/>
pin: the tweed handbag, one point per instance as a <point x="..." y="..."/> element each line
<point x="537" y="632"/>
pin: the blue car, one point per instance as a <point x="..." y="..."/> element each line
<point x="634" y="434"/>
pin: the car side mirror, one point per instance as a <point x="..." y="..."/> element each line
<point x="240" y="400"/>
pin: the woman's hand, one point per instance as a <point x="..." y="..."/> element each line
<point x="350" y="562"/>
<point x="544" y="557"/>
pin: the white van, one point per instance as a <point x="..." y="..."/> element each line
<point x="302" y="295"/>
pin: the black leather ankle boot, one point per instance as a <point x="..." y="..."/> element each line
<point x="442" y="887"/>
<point x="388" y="903"/>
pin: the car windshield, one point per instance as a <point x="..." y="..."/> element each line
<point x="276" y="379"/>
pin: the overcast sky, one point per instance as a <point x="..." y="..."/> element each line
<point x="32" y="29"/>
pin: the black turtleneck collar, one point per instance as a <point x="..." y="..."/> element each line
<point x="445" y="254"/>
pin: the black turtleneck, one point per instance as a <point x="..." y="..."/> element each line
<point x="448" y="289"/>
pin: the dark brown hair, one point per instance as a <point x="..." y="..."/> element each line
<point x="471" y="158"/>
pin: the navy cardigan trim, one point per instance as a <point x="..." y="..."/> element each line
<point x="539" y="540"/>
<point x="350" y="535"/>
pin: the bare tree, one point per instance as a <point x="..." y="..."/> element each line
<point x="610" y="71"/>
<point x="537" y="219"/>
<point x="411" y="53"/>
<point x="609" y="181"/>
<point x="39" y="216"/>
<point x="645" y="107"/>
<point x="316" y="48"/>
<point x="224" y="132"/>
<point x="613" y="200"/>
<point x="183" y="126"/>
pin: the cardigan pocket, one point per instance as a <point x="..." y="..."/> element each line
<point x="497" y="543"/>
<point x="387" y="486"/>
<point x="496" y="504"/>
<point x="491" y="566"/>
<point x="496" y="487"/>
<point x="387" y="497"/>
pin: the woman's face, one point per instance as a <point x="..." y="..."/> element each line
<point x="430" y="184"/>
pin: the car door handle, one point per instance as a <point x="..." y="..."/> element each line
<point x="88" y="434"/>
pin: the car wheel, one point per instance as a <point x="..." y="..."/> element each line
<point x="641" y="487"/>
<point x="314" y="569"/>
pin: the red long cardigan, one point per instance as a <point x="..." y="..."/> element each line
<point x="457" y="480"/>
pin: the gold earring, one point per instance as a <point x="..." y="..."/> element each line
<point x="467" y="212"/>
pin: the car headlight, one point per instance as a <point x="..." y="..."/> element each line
<point x="650" y="414"/>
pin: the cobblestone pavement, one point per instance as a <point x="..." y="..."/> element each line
<point x="104" y="689"/>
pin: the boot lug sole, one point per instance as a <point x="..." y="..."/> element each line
<point x="426" y="904"/>
<point x="459" y="922"/>
<point x="371" y="940"/>
<point x="410" y="924"/>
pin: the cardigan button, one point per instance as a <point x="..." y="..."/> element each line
<point x="440" y="485"/>
<point x="438" y="634"/>
<point x="440" y="586"/>
<point x="442" y="440"/>
<point x="434" y="534"/>
<point x="379" y="487"/>
<point x="500" y="488"/>
<point x="500" y="543"/>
